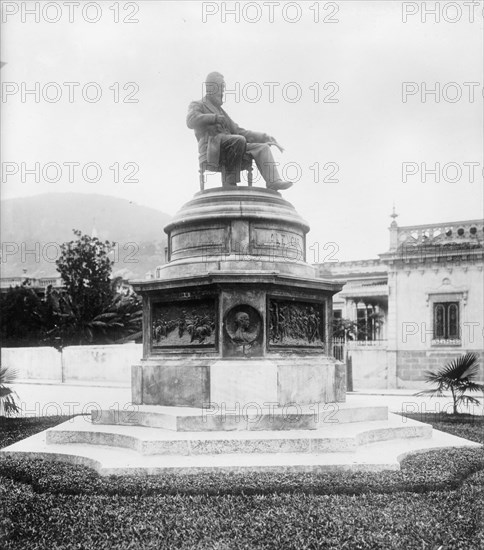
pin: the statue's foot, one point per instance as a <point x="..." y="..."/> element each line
<point x="279" y="185"/>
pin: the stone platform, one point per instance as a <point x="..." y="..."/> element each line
<point x="250" y="418"/>
<point x="155" y="440"/>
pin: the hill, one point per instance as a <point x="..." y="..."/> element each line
<point x="33" y="227"/>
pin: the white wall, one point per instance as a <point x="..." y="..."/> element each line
<point x="39" y="363"/>
<point x="77" y="364"/>
<point x="369" y="368"/>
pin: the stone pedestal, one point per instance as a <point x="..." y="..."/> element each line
<point x="237" y="315"/>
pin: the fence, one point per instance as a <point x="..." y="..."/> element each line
<point x="340" y="353"/>
<point x="339" y="349"/>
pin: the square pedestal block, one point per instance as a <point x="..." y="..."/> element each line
<point x="171" y="385"/>
<point x="238" y="383"/>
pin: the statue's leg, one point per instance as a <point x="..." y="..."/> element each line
<point x="232" y="150"/>
<point x="262" y="154"/>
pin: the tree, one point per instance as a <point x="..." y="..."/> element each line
<point x="457" y="376"/>
<point x="85" y="268"/>
<point x="89" y="309"/>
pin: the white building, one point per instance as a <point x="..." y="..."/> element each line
<point x="419" y="305"/>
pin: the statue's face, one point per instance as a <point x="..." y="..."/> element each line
<point x="243" y="321"/>
<point x="215" y="90"/>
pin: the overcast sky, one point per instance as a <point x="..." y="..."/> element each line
<point x="337" y="105"/>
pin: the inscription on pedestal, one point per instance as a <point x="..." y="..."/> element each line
<point x="184" y="324"/>
<point x="201" y="241"/>
<point x="296" y="324"/>
<point x="286" y="244"/>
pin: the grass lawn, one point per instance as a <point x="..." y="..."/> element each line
<point x="436" y="501"/>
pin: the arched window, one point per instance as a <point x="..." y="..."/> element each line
<point x="446" y="321"/>
<point x="453" y="321"/>
<point x="439" y="321"/>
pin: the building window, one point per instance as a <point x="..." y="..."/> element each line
<point x="446" y="321"/>
<point x="362" y="325"/>
<point x="368" y="323"/>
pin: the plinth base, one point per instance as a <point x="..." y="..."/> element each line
<point x="238" y="383"/>
<point x="120" y="450"/>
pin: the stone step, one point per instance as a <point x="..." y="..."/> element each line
<point x="249" y="418"/>
<point x="158" y="441"/>
<point x="376" y="456"/>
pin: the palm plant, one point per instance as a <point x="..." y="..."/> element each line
<point x="116" y="319"/>
<point x="345" y="329"/>
<point x="8" y="404"/>
<point x="120" y="319"/>
<point x="458" y="377"/>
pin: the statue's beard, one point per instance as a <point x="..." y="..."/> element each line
<point x="217" y="100"/>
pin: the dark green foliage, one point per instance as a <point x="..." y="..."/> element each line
<point x="348" y="329"/>
<point x="449" y="519"/>
<point x="89" y="310"/>
<point x="23" y="316"/>
<point x="85" y="267"/>
<point x="458" y="378"/>
<point x="433" y="471"/>
<point x="119" y="318"/>
<point x="462" y="425"/>
<point x="345" y="329"/>
<point x="8" y="403"/>
<point x="16" y="429"/>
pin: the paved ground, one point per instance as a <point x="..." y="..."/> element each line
<point x="66" y="399"/>
<point x="52" y="399"/>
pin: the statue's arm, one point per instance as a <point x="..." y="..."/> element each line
<point x="250" y="136"/>
<point x="196" y="118"/>
<point x="255" y="137"/>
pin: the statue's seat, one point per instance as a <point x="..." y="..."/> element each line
<point x="206" y="167"/>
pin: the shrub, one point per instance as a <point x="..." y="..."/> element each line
<point x="8" y="404"/>
<point x="458" y="377"/>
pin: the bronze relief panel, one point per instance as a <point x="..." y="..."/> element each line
<point x="296" y="323"/>
<point x="184" y="324"/>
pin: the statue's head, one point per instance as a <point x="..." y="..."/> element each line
<point x="215" y="86"/>
<point x="242" y="320"/>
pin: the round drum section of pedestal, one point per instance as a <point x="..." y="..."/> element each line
<point x="245" y="228"/>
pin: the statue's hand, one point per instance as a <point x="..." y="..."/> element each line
<point x="273" y="141"/>
<point x="219" y="119"/>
